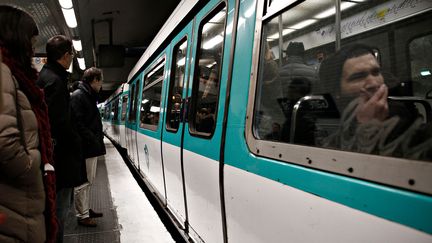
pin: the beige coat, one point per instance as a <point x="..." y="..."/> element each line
<point x="22" y="196"/>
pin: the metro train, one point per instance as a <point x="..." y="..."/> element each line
<point x="235" y="154"/>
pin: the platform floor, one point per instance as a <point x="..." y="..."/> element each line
<point x="128" y="215"/>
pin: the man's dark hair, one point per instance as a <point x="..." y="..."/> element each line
<point x="90" y="74"/>
<point x="57" y="46"/>
<point x="330" y="71"/>
<point x="17" y="28"/>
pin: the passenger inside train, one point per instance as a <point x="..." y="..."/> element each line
<point x="370" y="123"/>
<point x="327" y="105"/>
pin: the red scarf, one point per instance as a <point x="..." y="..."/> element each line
<point x="27" y="84"/>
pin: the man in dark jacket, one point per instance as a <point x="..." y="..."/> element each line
<point x="68" y="157"/>
<point x="296" y="80"/>
<point x="84" y="108"/>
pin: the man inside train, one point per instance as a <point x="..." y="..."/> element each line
<point x="294" y="80"/>
<point x="370" y="122"/>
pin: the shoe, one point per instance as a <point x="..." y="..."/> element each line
<point x="94" y="214"/>
<point x="87" y="222"/>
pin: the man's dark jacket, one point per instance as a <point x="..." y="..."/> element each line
<point x="68" y="156"/>
<point x="88" y="120"/>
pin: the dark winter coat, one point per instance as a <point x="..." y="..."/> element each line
<point x="68" y="156"/>
<point x="88" y="120"/>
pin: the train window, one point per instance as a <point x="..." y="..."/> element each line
<point x="176" y="86"/>
<point x="107" y="111"/>
<point x="151" y="97"/>
<point x="134" y="101"/>
<point x="347" y="91"/>
<point x="124" y="106"/>
<point x="115" y="110"/>
<point x="420" y="50"/>
<point x="207" y="72"/>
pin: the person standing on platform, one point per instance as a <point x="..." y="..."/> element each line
<point x="27" y="179"/>
<point x="68" y="156"/>
<point x="88" y="120"/>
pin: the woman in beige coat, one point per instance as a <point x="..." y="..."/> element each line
<point x="25" y="141"/>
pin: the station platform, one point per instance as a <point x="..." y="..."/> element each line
<point x="128" y="216"/>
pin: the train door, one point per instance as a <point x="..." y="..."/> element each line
<point x="124" y="102"/>
<point x="203" y="130"/>
<point x="132" y="124"/>
<point x="174" y="126"/>
<point x="149" y="125"/>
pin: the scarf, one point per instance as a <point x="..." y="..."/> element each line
<point x="27" y="84"/>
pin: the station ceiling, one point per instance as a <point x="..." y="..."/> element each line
<point x="129" y="23"/>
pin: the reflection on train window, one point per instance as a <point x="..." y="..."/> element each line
<point x="150" y="106"/>
<point x="124" y="106"/>
<point x="106" y="111"/>
<point x="176" y="86"/>
<point x="151" y="97"/>
<point x="367" y="96"/>
<point x="133" y="105"/>
<point x="115" y="110"/>
<point x="207" y="72"/>
<point x="420" y="50"/>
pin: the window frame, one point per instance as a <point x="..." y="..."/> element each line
<point x="195" y="82"/>
<point x="399" y="172"/>
<point x="160" y="63"/>
<point x="131" y="118"/>
<point x="124" y="106"/>
<point x="116" y="109"/>
<point x="172" y="83"/>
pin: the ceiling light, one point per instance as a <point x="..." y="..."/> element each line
<point x="155" y="109"/>
<point x="303" y="24"/>
<point x="183" y="46"/>
<point x="181" y="62"/>
<point x="81" y="63"/>
<point x="70" y="69"/>
<point x="213" y="42"/>
<point x="425" y="73"/>
<point x="69" y="15"/>
<point x="284" y="32"/>
<point x="77" y="45"/>
<point x="66" y="4"/>
<point x="331" y="11"/>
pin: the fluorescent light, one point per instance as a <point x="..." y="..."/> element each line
<point x="213" y="21"/>
<point x="217" y="17"/>
<point x="144" y="101"/>
<point x="181" y="62"/>
<point x="183" y="46"/>
<point x="303" y="24"/>
<point x="331" y="11"/>
<point x="77" y="45"/>
<point x="155" y="109"/>
<point x="70" y="69"/>
<point x="81" y="63"/>
<point x="213" y="42"/>
<point x="155" y="69"/>
<point x="211" y="64"/>
<point x="284" y="32"/>
<point x="66" y="4"/>
<point x="425" y="73"/>
<point x="69" y="15"/>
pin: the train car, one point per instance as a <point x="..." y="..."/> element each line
<point x="114" y="123"/>
<point x="240" y="148"/>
